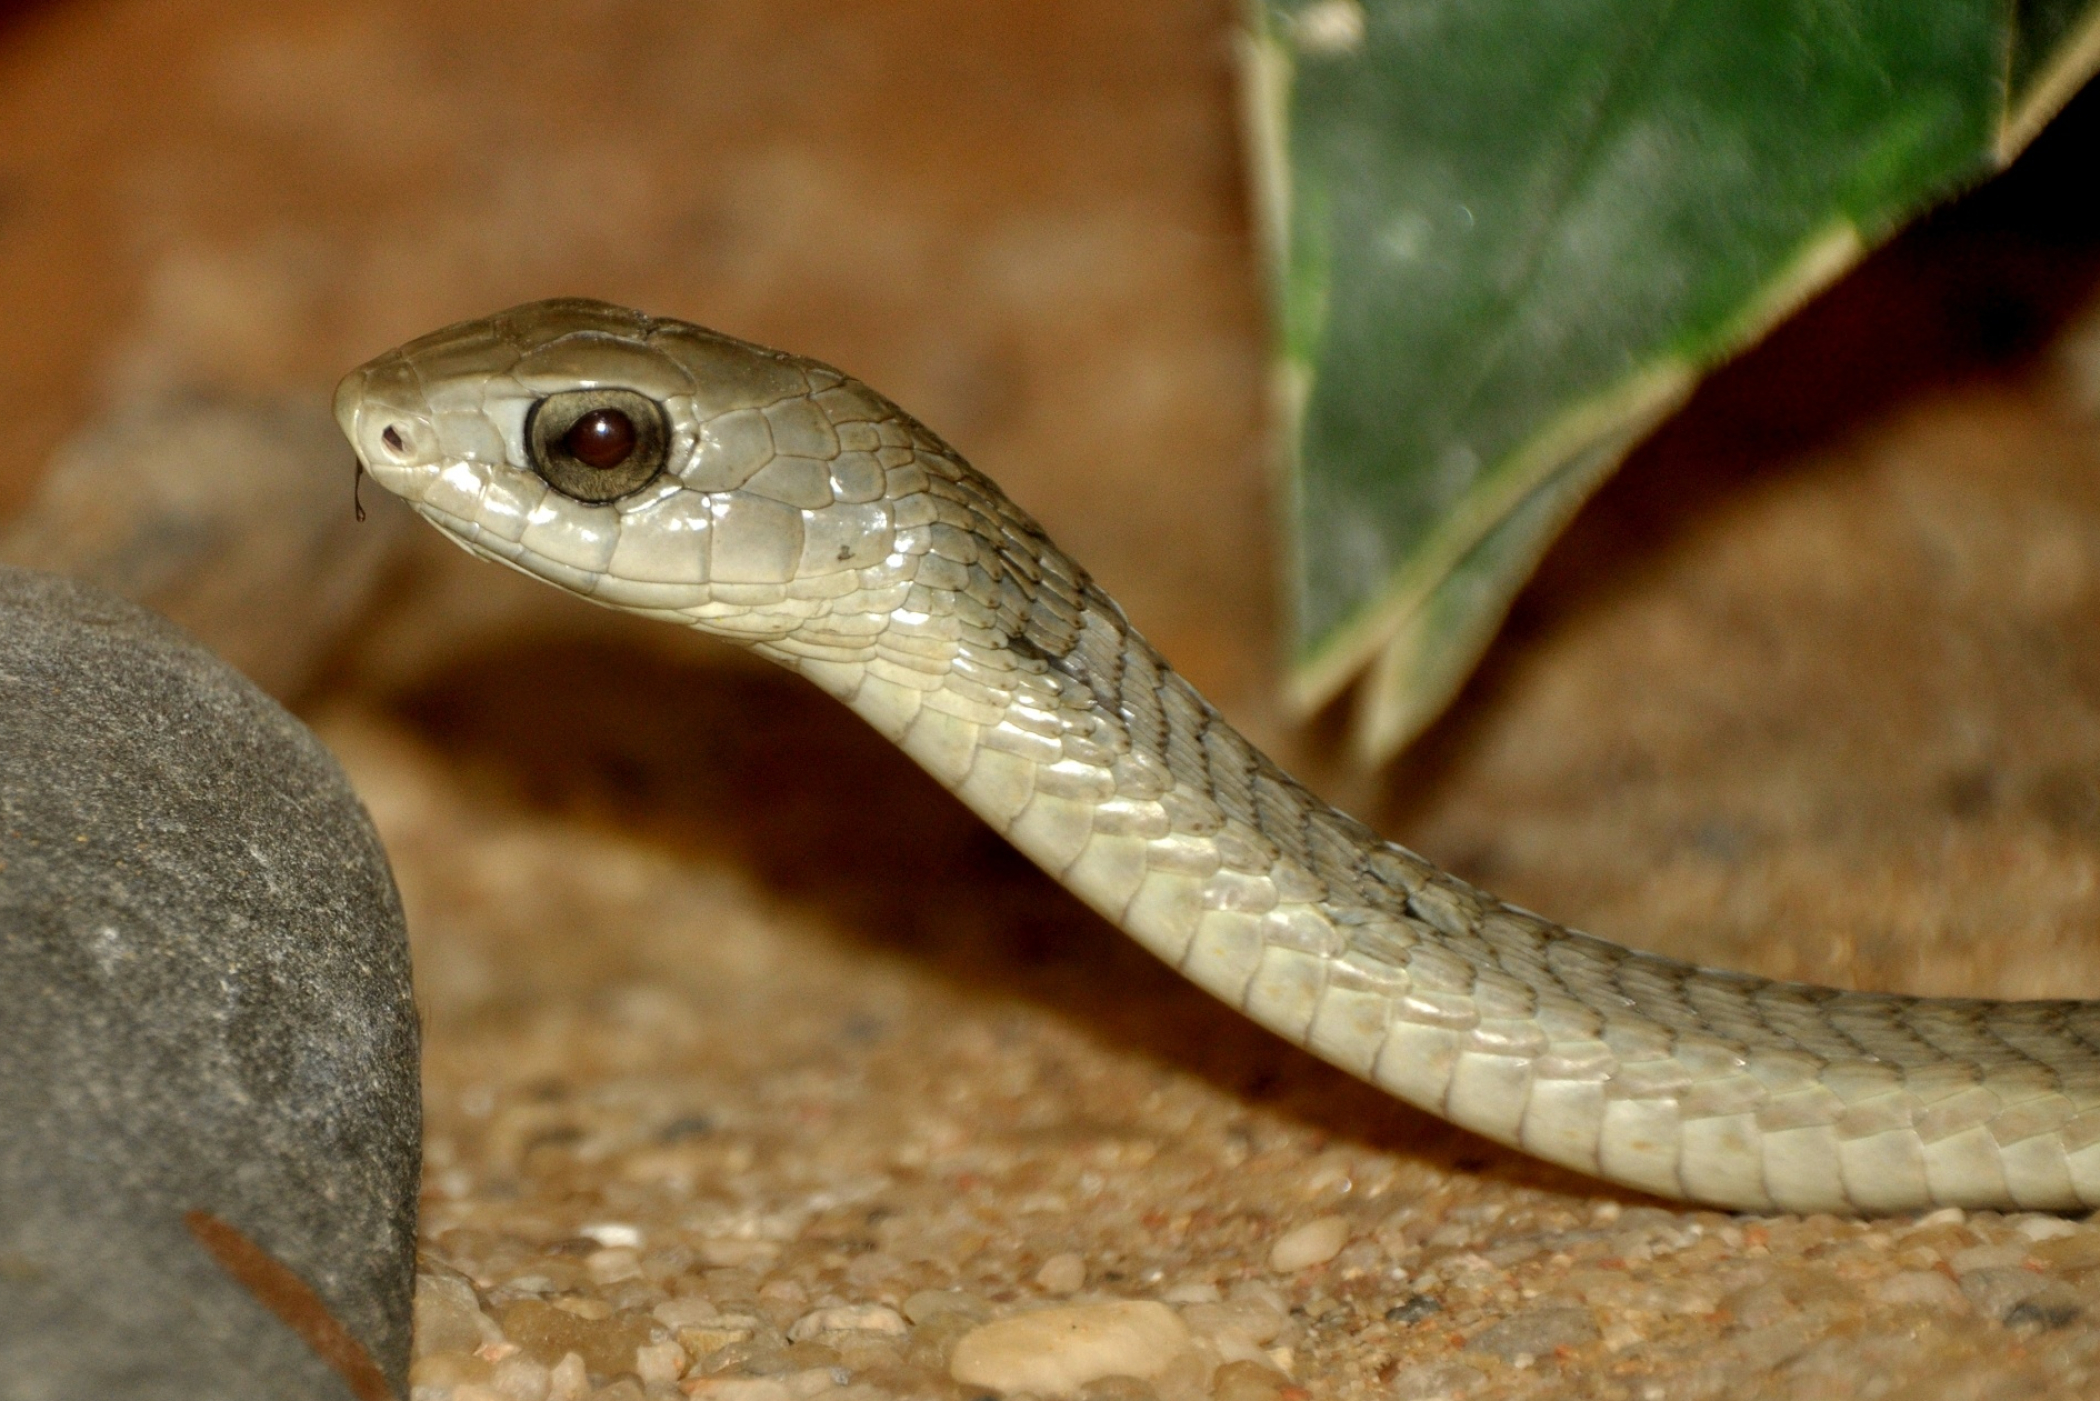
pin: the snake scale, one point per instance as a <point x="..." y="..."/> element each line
<point x="653" y="466"/>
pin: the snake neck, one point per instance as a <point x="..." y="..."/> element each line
<point x="1019" y="684"/>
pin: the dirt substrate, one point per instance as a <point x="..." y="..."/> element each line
<point x="755" y="1068"/>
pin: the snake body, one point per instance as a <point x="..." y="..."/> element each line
<point x="791" y="508"/>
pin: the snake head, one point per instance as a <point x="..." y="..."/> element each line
<point x="658" y="467"/>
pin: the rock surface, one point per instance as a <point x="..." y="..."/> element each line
<point x="209" y="1115"/>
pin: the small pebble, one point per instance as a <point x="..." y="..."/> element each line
<point x="613" y="1234"/>
<point x="445" y="1371"/>
<point x="1619" y="1335"/>
<point x="520" y="1379"/>
<point x="2077" y="1251"/>
<point x="1413" y="1309"/>
<point x="850" y="1318"/>
<point x="549" y="1332"/>
<point x="1062" y="1274"/>
<point x="1193" y="1292"/>
<point x="1323" y="1309"/>
<point x="932" y="1343"/>
<point x="1987" y="1257"/>
<point x="1314" y="1243"/>
<point x="733" y="1253"/>
<point x="1246" y="1381"/>
<point x="1254" y="1291"/>
<point x="1434" y="1381"/>
<point x="660" y="1362"/>
<point x="2039" y="1228"/>
<point x="740" y="1389"/>
<point x="2054" y="1307"/>
<point x="688" y="1312"/>
<point x="1762" y="1305"/>
<point x="449" y="1316"/>
<point x="1676" y="1298"/>
<point x="1537" y="1332"/>
<point x="569" y="1380"/>
<point x="814" y="1381"/>
<point x="929" y="1304"/>
<point x="1119" y="1389"/>
<point x="613" y="1265"/>
<point x="1995" y="1292"/>
<point x="709" y="1338"/>
<point x="1254" y="1321"/>
<point x="1056" y="1351"/>
<point x="1928" y="1288"/>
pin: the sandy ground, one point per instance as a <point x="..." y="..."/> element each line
<point x="735" y="1021"/>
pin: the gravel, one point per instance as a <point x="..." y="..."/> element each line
<point x="881" y="1148"/>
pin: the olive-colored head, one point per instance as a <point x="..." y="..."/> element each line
<point x="653" y="465"/>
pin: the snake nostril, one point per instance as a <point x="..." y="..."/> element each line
<point x="392" y="438"/>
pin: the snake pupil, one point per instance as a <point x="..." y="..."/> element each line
<point x="602" y="439"/>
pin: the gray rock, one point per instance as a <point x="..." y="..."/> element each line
<point x="209" y="1116"/>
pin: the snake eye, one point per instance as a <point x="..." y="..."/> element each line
<point x="597" y="444"/>
<point x="603" y="439"/>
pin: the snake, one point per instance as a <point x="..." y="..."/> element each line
<point x="653" y="466"/>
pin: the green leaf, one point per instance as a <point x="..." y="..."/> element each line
<point x="1507" y="238"/>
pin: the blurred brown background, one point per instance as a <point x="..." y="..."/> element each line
<point x="1811" y="689"/>
<point x="998" y="213"/>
